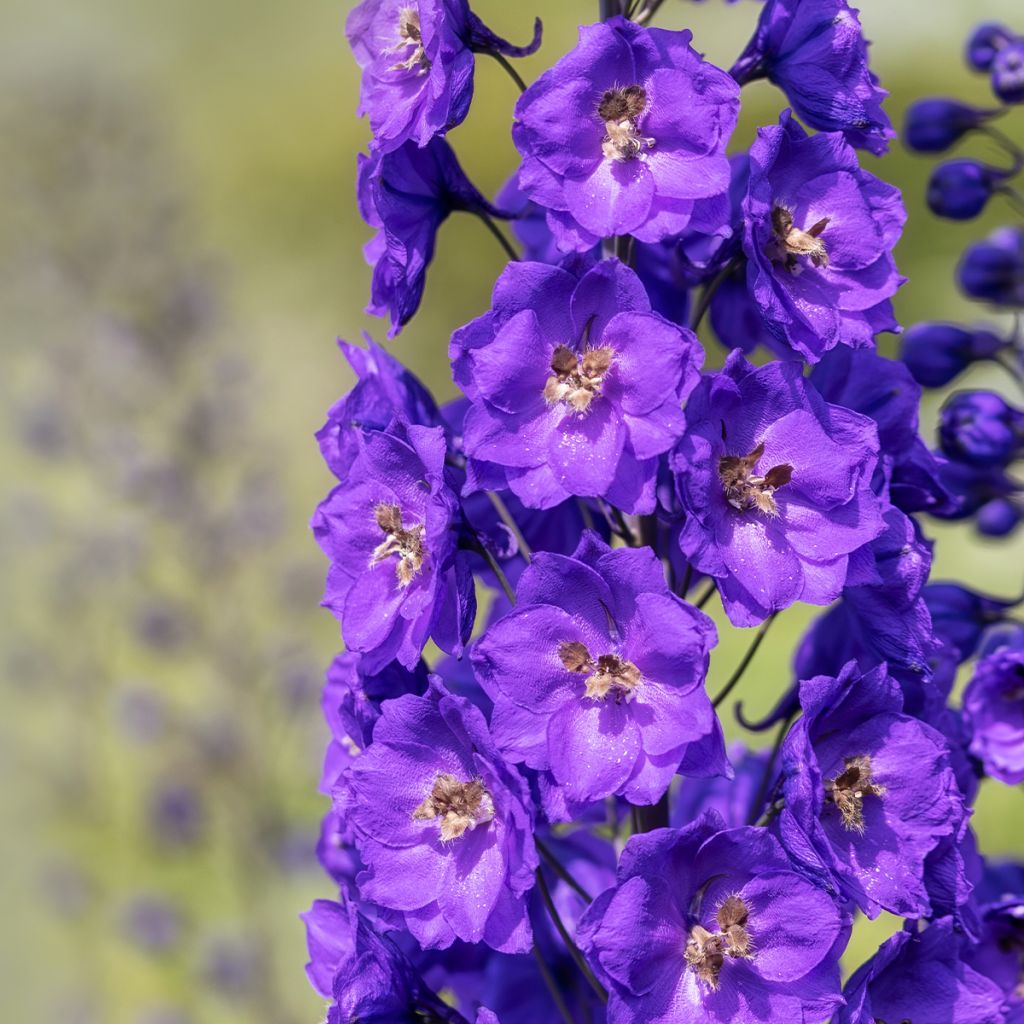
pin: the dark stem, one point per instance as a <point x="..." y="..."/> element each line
<point x="574" y="952"/>
<point x="769" y="770"/>
<point x="506" y="517"/>
<point x="706" y="596"/>
<point x="609" y="8"/>
<point x="552" y="987"/>
<point x="561" y="870"/>
<point x="648" y="12"/>
<point x="618" y="523"/>
<point x="687" y="579"/>
<point x="499" y="235"/>
<point x="506" y="64"/>
<point x="585" y="515"/>
<point x="649" y="817"/>
<point x="708" y="294"/>
<point x="745" y="662"/>
<point x="484" y="550"/>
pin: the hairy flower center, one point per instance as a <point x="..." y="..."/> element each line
<point x="620" y="110"/>
<point x="744" y="489"/>
<point x="608" y="675"/>
<point x="848" y="789"/>
<point x="790" y="242"/>
<point x="406" y="542"/>
<point x="409" y="35"/>
<point x="706" y="951"/>
<point x="577" y="382"/>
<point x="461" y="806"/>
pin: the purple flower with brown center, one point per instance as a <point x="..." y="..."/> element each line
<point x="390" y="531"/>
<point x="417" y="61"/>
<point x="576" y="386"/>
<point x="624" y="135"/>
<point x="776" y="487"/>
<point x="868" y="792"/>
<point x="818" y="236"/>
<point x="443" y="824"/>
<point x="597" y="677"/>
<point x="707" y="924"/>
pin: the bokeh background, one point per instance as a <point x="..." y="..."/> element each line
<point x="179" y="247"/>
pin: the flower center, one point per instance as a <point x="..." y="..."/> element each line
<point x="577" y="382"/>
<point x="608" y="675"/>
<point x="848" y="789"/>
<point x="745" y="490"/>
<point x="790" y="242"/>
<point x="706" y="951"/>
<point x="409" y="35"/>
<point x="621" y="109"/>
<point x="399" y="540"/>
<point x="461" y="806"/>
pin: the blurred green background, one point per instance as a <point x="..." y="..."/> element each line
<point x="179" y="248"/>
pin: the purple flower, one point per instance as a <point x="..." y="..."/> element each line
<point x="396" y="578"/>
<point x="960" y="189"/>
<point x="624" y="134"/>
<point x="998" y="952"/>
<point x="815" y="52"/>
<point x="937" y="352"/>
<point x="407" y="195"/>
<point x="819" y="234"/>
<point x="920" y="976"/>
<point x="417" y="61"/>
<point x="867" y="792"/>
<point x="442" y="824"/>
<point x="383" y="389"/>
<point x="363" y="973"/>
<point x="597" y="678"/>
<point x="885" y="390"/>
<point x="993" y="270"/>
<point x="961" y="616"/>
<point x="712" y="925"/>
<point x="934" y="124"/>
<point x="776" y="487"/>
<point x="982" y="428"/>
<point x="882" y="617"/>
<point x="576" y="386"/>
<point x="994" y="706"/>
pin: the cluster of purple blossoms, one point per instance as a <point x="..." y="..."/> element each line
<point x="545" y="823"/>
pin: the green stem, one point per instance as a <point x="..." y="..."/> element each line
<point x="506" y="517"/>
<point x="513" y="74"/>
<point x="552" y="987"/>
<point x="747" y="659"/>
<point x="574" y="952"/>
<point x="559" y="869"/>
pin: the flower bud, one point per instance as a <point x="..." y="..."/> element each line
<point x="936" y="352"/>
<point x="993" y="270"/>
<point x="959" y="189"/>
<point x="984" y="44"/>
<point x="998" y="518"/>
<point x="981" y="427"/>
<point x="1008" y="72"/>
<point x="933" y="125"/>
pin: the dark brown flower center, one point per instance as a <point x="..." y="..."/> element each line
<point x="608" y="675"/>
<point x="744" y="489"/>
<point x="706" y="951"/>
<point x="620" y="110"/>
<point x="577" y="382"/>
<point x="849" y="788"/>
<point x="405" y="542"/>
<point x="790" y="242"/>
<point x="460" y="806"/>
<point x="410" y="36"/>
